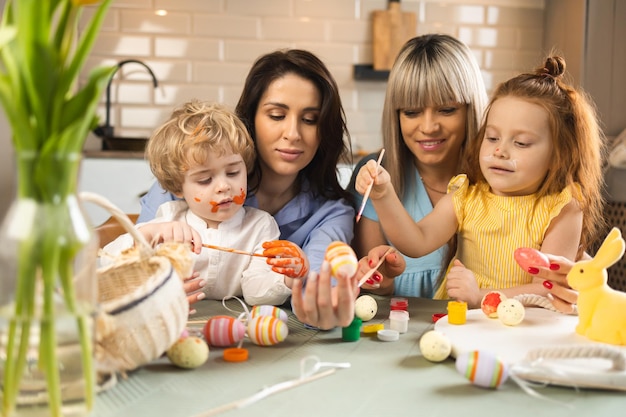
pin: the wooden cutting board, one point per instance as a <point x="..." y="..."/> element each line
<point x="391" y="28"/>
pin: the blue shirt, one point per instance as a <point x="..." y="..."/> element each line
<point x="308" y="221"/>
<point x="419" y="279"/>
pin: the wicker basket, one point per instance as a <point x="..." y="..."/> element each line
<point x="143" y="306"/>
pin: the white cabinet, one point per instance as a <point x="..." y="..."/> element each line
<point x="121" y="180"/>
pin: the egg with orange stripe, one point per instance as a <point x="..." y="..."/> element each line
<point x="267" y="330"/>
<point x="342" y="259"/>
<point x="223" y="331"/>
<point x="482" y="368"/>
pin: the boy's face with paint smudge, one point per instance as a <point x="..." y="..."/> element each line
<point x="216" y="190"/>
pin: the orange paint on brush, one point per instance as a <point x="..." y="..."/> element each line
<point x="240" y="199"/>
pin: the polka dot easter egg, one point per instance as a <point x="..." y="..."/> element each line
<point x="435" y="346"/>
<point x="267" y="330"/>
<point x="188" y="352"/>
<point x="482" y="368"/>
<point x="511" y="312"/>
<point x="266" y="310"/>
<point x="365" y="307"/>
<point x="342" y="259"/>
<point x="224" y="331"/>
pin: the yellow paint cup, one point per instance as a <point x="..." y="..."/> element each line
<point x="457" y="312"/>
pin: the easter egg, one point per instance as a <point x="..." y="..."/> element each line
<point x="342" y="259"/>
<point x="265" y="310"/>
<point x="527" y="257"/>
<point x="267" y="330"/>
<point x="511" y="312"/>
<point x="188" y="352"/>
<point x="224" y="331"/>
<point x="489" y="303"/>
<point x="482" y="368"/>
<point x="435" y="346"/>
<point x="365" y="307"/>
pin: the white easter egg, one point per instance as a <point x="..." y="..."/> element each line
<point x="511" y="312"/>
<point x="188" y="352"/>
<point x="435" y="346"/>
<point x="365" y="307"/>
<point x="482" y="368"/>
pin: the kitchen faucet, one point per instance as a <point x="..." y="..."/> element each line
<point x="106" y="131"/>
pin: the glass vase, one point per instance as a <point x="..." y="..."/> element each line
<point x="48" y="292"/>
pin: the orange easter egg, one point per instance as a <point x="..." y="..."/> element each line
<point x="342" y="259"/>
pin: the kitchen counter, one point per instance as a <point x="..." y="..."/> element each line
<point x="114" y="154"/>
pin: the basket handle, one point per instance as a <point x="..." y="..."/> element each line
<point x="117" y="213"/>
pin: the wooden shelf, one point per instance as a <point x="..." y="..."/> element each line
<point x="366" y="72"/>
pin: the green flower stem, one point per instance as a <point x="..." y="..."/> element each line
<point x="46" y="277"/>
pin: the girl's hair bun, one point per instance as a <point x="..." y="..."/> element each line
<point x="553" y="67"/>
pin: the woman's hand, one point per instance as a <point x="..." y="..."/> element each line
<point x="286" y="258"/>
<point x="381" y="281"/>
<point x="193" y="288"/>
<point x="175" y="231"/>
<point x="320" y="304"/>
<point x="563" y="297"/>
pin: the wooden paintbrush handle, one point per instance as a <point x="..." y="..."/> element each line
<point x="240" y="252"/>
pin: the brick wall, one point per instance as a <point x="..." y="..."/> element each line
<point x="204" y="49"/>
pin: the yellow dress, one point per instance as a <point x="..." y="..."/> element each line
<point x="491" y="227"/>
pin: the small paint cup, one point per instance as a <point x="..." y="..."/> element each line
<point x="352" y="333"/>
<point x="399" y="320"/>
<point x="457" y="312"/>
<point x="399" y="303"/>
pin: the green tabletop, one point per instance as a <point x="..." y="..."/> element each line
<point x="384" y="379"/>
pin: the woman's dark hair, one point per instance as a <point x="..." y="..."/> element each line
<point x="332" y="130"/>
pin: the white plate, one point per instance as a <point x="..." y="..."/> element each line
<point x="543" y="330"/>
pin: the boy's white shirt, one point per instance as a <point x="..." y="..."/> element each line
<point x="227" y="274"/>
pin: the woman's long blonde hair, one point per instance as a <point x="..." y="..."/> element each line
<point x="430" y="70"/>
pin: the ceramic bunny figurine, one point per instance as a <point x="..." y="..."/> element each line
<point x="601" y="309"/>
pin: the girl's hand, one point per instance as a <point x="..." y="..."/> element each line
<point x="176" y="231"/>
<point x="193" y="288"/>
<point x="461" y="285"/>
<point x="320" y="304"/>
<point x="286" y="258"/>
<point x="372" y="173"/>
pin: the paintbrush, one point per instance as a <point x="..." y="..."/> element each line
<point x="240" y="252"/>
<point x="369" y="187"/>
<point x="371" y="271"/>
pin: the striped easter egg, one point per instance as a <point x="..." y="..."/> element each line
<point x="482" y="368"/>
<point x="223" y="331"/>
<point x="267" y="330"/>
<point x="273" y="311"/>
<point x="342" y="259"/>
